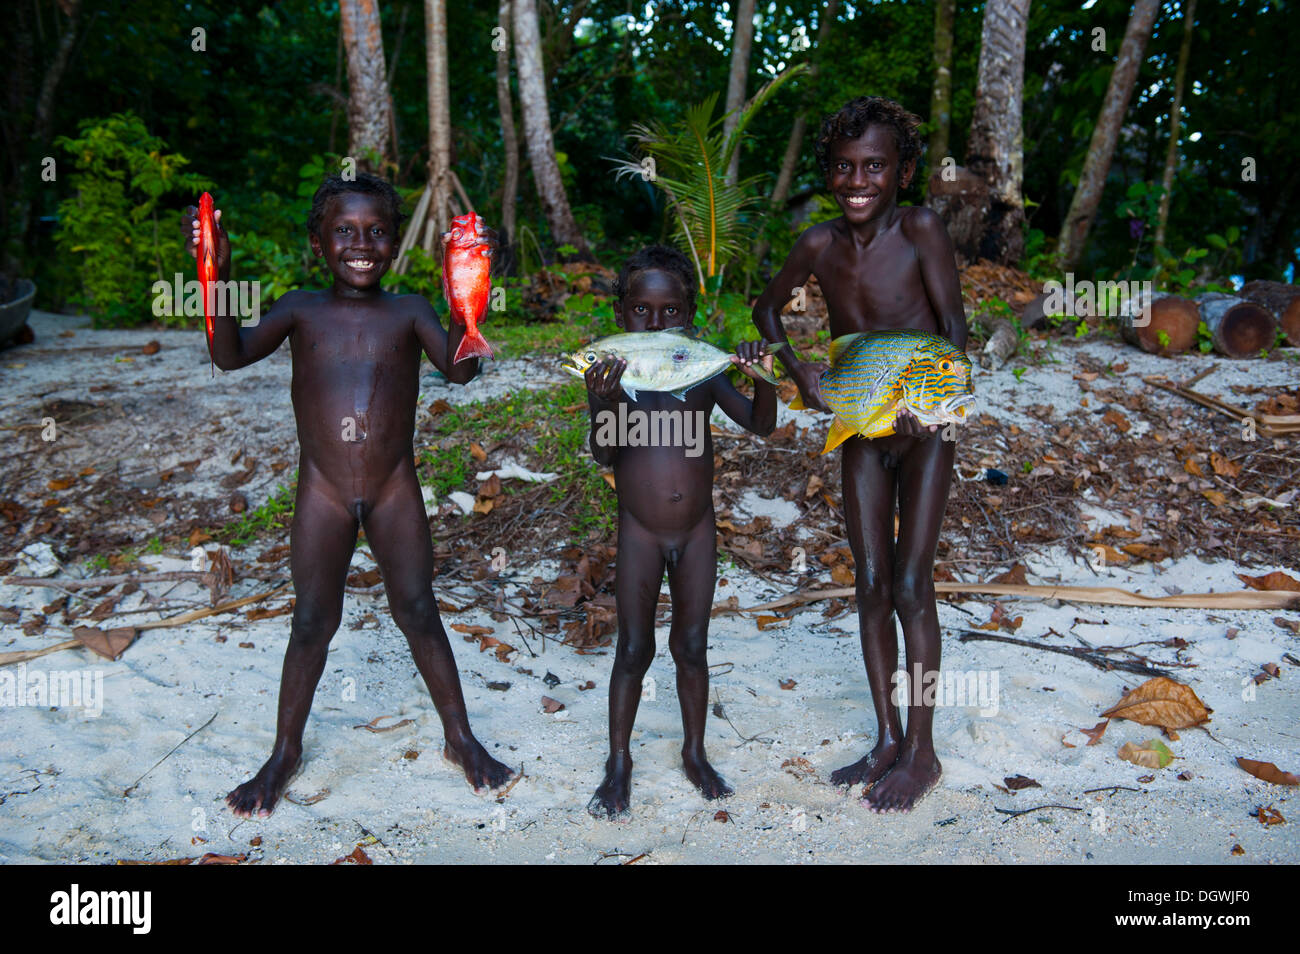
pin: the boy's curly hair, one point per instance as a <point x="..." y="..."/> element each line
<point x="365" y="183"/>
<point x="852" y="120"/>
<point x="657" y="256"/>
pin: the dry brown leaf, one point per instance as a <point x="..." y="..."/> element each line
<point x="1268" y="772"/>
<point x="1277" y="580"/>
<point x="107" y="643"/>
<point x="1152" y="754"/>
<point x="1096" y="732"/>
<point x="374" y="726"/>
<point x="1192" y="467"/>
<point x="1116" y="420"/>
<point x="551" y="706"/>
<point x="765" y="621"/>
<point x="842" y="574"/>
<point x="1161" y="702"/>
<point x="1015" y="575"/>
<point x="477" y="452"/>
<point x="1224" y="467"/>
<point x="355" y="857"/>
<point x="1269" y="816"/>
<point x="1018" y="782"/>
<point x="799" y="767"/>
<point x="1215" y="497"/>
<point x="788" y="683"/>
<point x="473" y="630"/>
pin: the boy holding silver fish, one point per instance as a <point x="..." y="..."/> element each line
<point x="882" y="267"/>
<point x="665" y="508"/>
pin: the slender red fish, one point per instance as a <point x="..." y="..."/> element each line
<point x="207" y="261"/>
<point x="466" y="283"/>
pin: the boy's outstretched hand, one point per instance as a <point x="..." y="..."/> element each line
<point x="190" y="226"/>
<point x="750" y="354"/>
<point x="602" y="377"/>
<point x="808" y="376"/>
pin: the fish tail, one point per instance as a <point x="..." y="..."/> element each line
<point x="763" y="373"/>
<point x="473" y="345"/>
<point x="796" y="403"/>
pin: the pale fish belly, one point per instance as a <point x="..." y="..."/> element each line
<point x="651" y="372"/>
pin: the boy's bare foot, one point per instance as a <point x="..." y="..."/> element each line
<point x="703" y="776"/>
<point x="906" y="783"/>
<point x="260" y="793"/>
<point x="870" y="768"/>
<point x="614" y="796"/>
<point x="482" y="771"/>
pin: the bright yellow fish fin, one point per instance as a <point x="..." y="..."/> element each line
<point x="796" y="403"/>
<point x="840" y="432"/>
<point x="841" y="343"/>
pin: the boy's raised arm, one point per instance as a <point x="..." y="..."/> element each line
<point x="757" y="416"/>
<point x="235" y="345"/>
<point x="767" y="312"/>
<point x="939" y="272"/>
<point x="439" y="345"/>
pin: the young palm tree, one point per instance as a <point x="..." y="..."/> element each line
<point x="688" y="162"/>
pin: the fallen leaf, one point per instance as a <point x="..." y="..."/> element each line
<point x="1096" y="732"/>
<point x="799" y="767"/>
<point x="477" y="452"/>
<point x="842" y="574"/>
<point x="1161" y="702"/>
<point x="551" y="706"/>
<point x="1215" y="497"/>
<point x="1238" y="850"/>
<point x="356" y="857"/>
<point x="1015" y="575"/>
<point x="1150" y="754"/>
<point x="1277" y="580"/>
<point x="1018" y="782"/>
<point x="1269" y="816"/>
<point x="1224" y="467"/>
<point x="722" y="815"/>
<point x="1268" y="772"/>
<point x="411" y="754"/>
<point x="1116" y="420"/>
<point x="788" y="683"/>
<point x="107" y="643"/>
<point x="765" y="621"/>
<point x="473" y="630"/>
<point x="374" y="726"/>
<point x="1292" y="624"/>
<point x="153" y="347"/>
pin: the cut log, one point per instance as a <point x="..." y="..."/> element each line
<point x="1001" y="345"/>
<point x="1175" y="316"/>
<point x="1282" y="300"/>
<point x="1238" y="328"/>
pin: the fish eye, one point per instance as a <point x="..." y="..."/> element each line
<point x="945" y="366"/>
<point x="590" y="357"/>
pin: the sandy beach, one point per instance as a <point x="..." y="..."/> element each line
<point x="188" y="712"/>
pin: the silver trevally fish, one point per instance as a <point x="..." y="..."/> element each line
<point x="669" y="360"/>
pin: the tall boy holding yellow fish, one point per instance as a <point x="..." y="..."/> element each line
<point x="665" y="506"/>
<point x="883" y="268"/>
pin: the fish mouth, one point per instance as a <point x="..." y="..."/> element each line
<point x="574" y="365"/>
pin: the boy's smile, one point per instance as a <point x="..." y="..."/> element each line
<point x="357" y="241"/>
<point x="865" y="174"/>
<point x="655" y="300"/>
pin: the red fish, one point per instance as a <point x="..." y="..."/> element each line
<point x="466" y="283"/>
<point x="207" y="261"/>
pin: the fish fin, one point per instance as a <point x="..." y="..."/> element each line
<point x="841" y="343"/>
<point x="473" y="345"/>
<point x="630" y="392"/>
<point x="796" y="403"/>
<point x="763" y="373"/>
<point x="679" y="394"/>
<point x="839" y="433"/>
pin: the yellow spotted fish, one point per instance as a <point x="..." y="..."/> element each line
<point x="874" y="373"/>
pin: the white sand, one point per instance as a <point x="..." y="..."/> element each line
<point x="62" y="774"/>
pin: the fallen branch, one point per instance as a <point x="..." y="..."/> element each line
<point x="191" y="616"/>
<point x="23" y="656"/>
<point x="1017" y="812"/>
<point x="168" y="755"/>
<point x="1102" y="595"/>
<point x="1267" y="425"/>
<point x="1091" y="657"/>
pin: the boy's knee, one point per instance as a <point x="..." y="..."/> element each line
<point x="913" y="592"/>
<point x="314" y="623"/>
<point x="690" y="649"/>
<point x="634" y="655"/>
<point x="872" y="588"/>
<point x="415" y="614"/>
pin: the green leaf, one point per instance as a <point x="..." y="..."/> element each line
<point x="1217" y="241"/>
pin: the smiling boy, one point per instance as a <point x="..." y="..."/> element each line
<point x="356" y="360"/>
<point x="882" y="267"/>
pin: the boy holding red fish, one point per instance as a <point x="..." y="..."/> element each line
<point x="356" y="360"/>
<point x="882" y="267"/>
<point x="665" y="517"/>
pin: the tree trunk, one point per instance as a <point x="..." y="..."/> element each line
<point x="1175" y="120"/>
<point x="370" y="122"/>
<point x="1174" y="316"/>
<point x="996" y="149"/>
<point x="795" y="145"/>
<point x="1238" y="328"/>
<point x="941" y="98"/>
<point x="509" y="141"/>
<point x="537" y="130"/>
<point x="1282" y="300"/>
<point x="438" y="214"/>
<point x="1092" y="182"/>
<point x="742" y="40"/>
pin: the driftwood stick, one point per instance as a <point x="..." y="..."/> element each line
<point x="133" y="785"/>
<point x="1092" y="658"/>
<point x="191" y="616"/>
<point x="1017" y="812"/>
